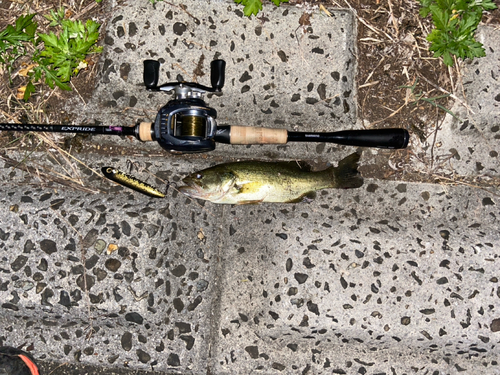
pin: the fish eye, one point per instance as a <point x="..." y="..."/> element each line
<point x="199" y="176"/>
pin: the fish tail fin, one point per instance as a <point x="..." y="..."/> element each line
<point x="346" y="175"/>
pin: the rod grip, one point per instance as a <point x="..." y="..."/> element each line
<point x="249" y="135"/>
<point x="380" y="138"/>
<point x="145" y="132"/>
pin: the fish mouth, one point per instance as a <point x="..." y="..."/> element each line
<point x="191" y="189"/>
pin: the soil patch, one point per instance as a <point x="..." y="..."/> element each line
<point x="46" y="105"/>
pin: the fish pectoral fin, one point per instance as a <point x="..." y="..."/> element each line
<point x="249" y="187"/>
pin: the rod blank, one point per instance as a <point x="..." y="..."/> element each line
<point x="111" y="130"/>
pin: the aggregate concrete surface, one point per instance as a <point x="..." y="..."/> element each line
<point x="393" y="278"/>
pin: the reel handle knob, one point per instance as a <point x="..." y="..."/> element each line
<point x="151" y="73"/>
<point x="217" y="74"/>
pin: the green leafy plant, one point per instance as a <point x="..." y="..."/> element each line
<point x="250" y="6"/>
<point x="13" y="40"/>
<point x="64" y="55"/>
<point x="254" y="6"/>
<point x="55" y="57"/>
<point x="455" y="24"/>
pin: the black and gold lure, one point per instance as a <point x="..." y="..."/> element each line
<point x="131" y="182"/>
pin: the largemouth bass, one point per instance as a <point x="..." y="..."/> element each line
<point x="249" y="182"/>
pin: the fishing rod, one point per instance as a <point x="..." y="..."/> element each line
<point x="187" y="125"/>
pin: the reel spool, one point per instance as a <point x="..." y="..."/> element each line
<point x="189" y="126"/>
<point x="185" y="127"/>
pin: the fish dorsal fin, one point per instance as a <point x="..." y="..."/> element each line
<point x="302" y="165"/>
<point x="299" y="164"/>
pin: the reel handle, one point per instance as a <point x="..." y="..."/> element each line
<point x="151" y="73"/>
<point x="151" y="77"/>
<point x="217" y="74"/>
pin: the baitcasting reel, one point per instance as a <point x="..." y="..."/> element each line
<point x="187" y="125"/>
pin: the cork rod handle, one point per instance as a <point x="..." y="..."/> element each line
<point x="249" y="135"/>
<point x="145" y="131"/>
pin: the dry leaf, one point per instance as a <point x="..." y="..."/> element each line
<point x="25" y="71"/>
<point x="304" y="19"/>
<point x="20" y="92"/>
<point x="201" y="235"/>
<point x="321" y="7"/>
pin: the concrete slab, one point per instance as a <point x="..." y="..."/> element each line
<point x="392" y="278"/>
<point x="112" y="280"/>
<point x="388" y="276"/>
<point x="466" y="145"/>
